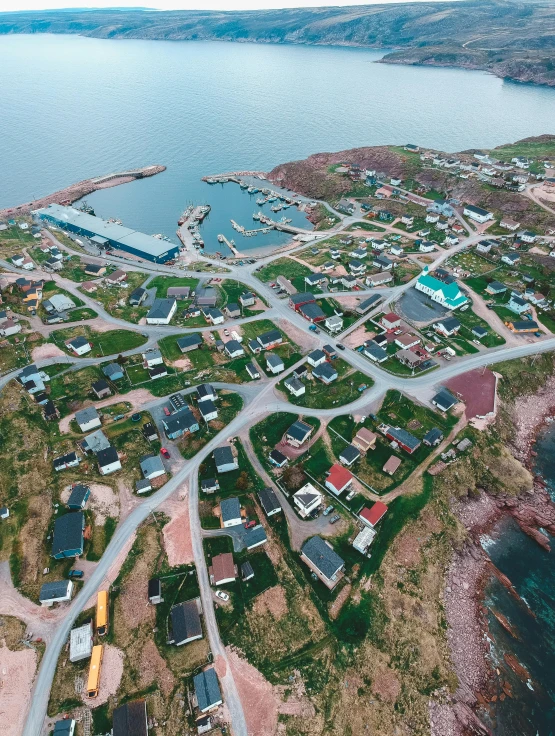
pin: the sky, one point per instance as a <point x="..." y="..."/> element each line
<point x="7" y="5"/>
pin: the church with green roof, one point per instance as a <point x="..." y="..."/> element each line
<point x="448" y="295"/>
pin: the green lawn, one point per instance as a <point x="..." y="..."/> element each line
<point x="342" y="391"/>
<point x="115" y="300"/>
<point x="236" y="481"/>
<point x="228" y="405"/>
<point x="232" y="290"/>
<point x="163" y="283"/>
<point x="265" y="435"/>
<point x="284" y="267"/>
<point x="112" y="342"/>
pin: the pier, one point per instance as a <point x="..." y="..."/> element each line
<point x="230" y="245"/>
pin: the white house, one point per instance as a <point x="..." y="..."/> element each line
<point x="79" y="345"/>
<point x="161" y="312"/>
<point x="108" y="461"/>
<point x="477" y="213"/>
<point x="334" y="323"/>
<point x="294" y="386"/>
<point x="208" y="410"/>
<point x="339" y="479"/>
<point x="316" y="357"/>
<point x="426" y="246"/>
<point x="230" y="510"/>
<point x="527" y="236"/>
<point x="58" y="591"/>
<point x="307" y="500"/>
<point x="511" y="259"/>
<point x="224" y="459"/>
<point x="274" y="363"/>
<point x="87" y="419"/>
<point x="152" y="466"/>
<point x="9" y="327"/>
<point x="152" y="358"/>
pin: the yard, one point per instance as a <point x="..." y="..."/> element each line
<point x="228" y="405"/>
<point x="287" y="267"/>
<point x="115" y="299"/>
<point x="265" y="435"/>
<point x="73" y="267"/>
<point x="343" y="390"/>
<point x="163" y="283"/>
<point x="112" y="342"/>
<point x="235" y="481"/>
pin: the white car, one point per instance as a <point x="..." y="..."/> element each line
<point x="221" y="595"/>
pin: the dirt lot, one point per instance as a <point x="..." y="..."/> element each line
<point x="177" y="535"/>
<point x="17" y="670"/>
<point x="272" y="601"/>
<point x="46" y="351"/>
<point x="358" y="336"/>
<point x="303" y="339"/>
<point x="153" y="668"/>
<point x="137" y="398"/>
<point x="110" y="675"/>
<point x="260" y="703"/>
<point x="477" y="390"/>
<point x="103" y="501"/>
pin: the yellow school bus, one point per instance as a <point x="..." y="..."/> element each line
<point x="102" y="613"/>
<point x="93" y="683"/>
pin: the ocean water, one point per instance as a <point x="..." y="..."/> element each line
<point x="545" y="460"/>
<point x="76" y="107"/>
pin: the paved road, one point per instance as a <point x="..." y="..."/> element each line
<point x="260" y="400"/>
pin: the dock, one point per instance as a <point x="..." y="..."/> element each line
<point x="230" y="245"/>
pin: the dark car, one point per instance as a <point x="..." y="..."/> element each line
<point x="165" y="453"/>
<point x="75" y="574"/>
<point x="334" y="519"/>
<point x="135" y="417"/>
<point x="340" y="346"/>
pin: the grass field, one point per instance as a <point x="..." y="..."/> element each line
<point x="292" y="270"/>
<point x="112" y="342"/>
<point x="228" y="406"/>
<point x="265" y="435"/>
<point x="163" y="283"/>
<point x="343" y="390"/>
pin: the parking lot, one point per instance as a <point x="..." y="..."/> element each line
<point x="418" y="307"/>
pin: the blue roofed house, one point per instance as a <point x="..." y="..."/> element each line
<point x="230" y="509"/>
<point x="113" y="371"/>
<point x="67" y="538"/>
<point x="448" y="295"/>
<point x="152" y="466"/>
<point x="181" y="422"/>
<point x="517" y="304"/>
<point x="225" y="460"/>
<point x="189" y="342"/>
<point x="207" y="690"/>
<point x="325" y="373"/>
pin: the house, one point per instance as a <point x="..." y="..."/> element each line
<point x="537" y="299"/>
<point x="390" y="321"/>
<point x="78" y="497"/>
<point x="312" y="312"/>
<point x="349" y="282"/>
<point x="325" y="373"/>
<point x="527" y="236"/>
<point x="356" y="267"/>
<point x="269" y="501"/>
<point x="296" y="301"/>
<point x="379" y="279"/>
<point x="484" y="246"/>
<point x="232" y="310"/>
<point x="108" y="461"/>
<point x="252" y="370"/>
<point x="349" y="455"/>
<point x="95" y="442"/>
<point x="178" y="292"/>
<point x="448" y="295"/>
<point x="527" y="325"/>
<point x="320" y="557"/>
<point x="206" y="297"/>
<point x="307" y="499"/>
<point x="254" y="537"/>
<point x="247" y="573"/>
<point x="432" y="217"/>
<point x="383" y="263"/>
<point x="152" y="357"/>
<point x="407" y="220"/>
<point x="338" y="479"/>
<point x="67" y="538"/>
<point x="32" y="379"/>
<point x="364" y="440"/>
<point x="130" y="719"/>
<point x="373" y="351"/>
<point x="367" y="304"/>
<point x="334" y="323"/>
<point x="511" y="259"/>
<point x="371" y="516"/>
<point x="396" y="250"/>
<point x="208" y="410"/>
<point x="210" y="485"/>
<point x="405" y="440"/>
<point x="87" y="418"/>
<point x="444" y="400"/>
<point x="364" y="539"/>
<point x="116" y="278"/>
<point x="447" y="327"/>
<point x="58" y="303"/>
<point x="479" y="331"/>
<point x="378" y="244"/>
<point x="316" y="358"/>
<point x="496" y="287"/>
<point x="95" y="269"/>
<point x="18" y="259"/>
<point x="206" y="392"/>
<point x="247" y="299"/>
<point x="189" y="342"/>
<point x="328" y="266"/>
<point x="407" y="340"/>
<point x="185" y="623"/>
<point x="270" y="339"/>
<point x="225" y="460"/>
<point x="451" y="239"/>
<point x="274" y="363"/>
<point x="152" y="466"/>
<point x="79" y="345"/>
<point x="254" y="347"/>
<point x="143" y="486"/>
<point x="278" y="459"/>
<point x="9" y="327"/>
<point x="50" y="412"/>
<point x="59" y="591"/>
<point x="81" y="642"/>
<point x="477" y="213"/>
<point x="298" y="433"/>
<point x="89" y="287"/>
<point x="66" y="461"/>
<point x="180" y="423"/>
<point x="161" y="312"/>
<point x="207" y="690"/>
<point x="137" y="297"/>
<point x="433" y="437"/>
<point x="335" y="254"/>
<point x="426" y="246"/>
<point x="234" y="349"/>
<point x="294" y="386"/>
<point x="113" y="371"/>
<point x="101" y="389"/>
<point x="507" y="224"/>
<point x="315" y="279"/>
<point x="222" y="570"/>
<point x="286" y="285"/>
<point x="392" y="465"/>
<point x="214" y="316"/>
<point x="517" y="304"/>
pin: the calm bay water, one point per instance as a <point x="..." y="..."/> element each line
<point x="78" y="107"/>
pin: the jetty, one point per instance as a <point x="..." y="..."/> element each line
<point x="234" y="176"/>
<point x="230" y="244"/>
<point x="72" y="193"/>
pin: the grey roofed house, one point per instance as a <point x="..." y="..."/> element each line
<point x="143" y="485"/>
<point x="404" y="438"/>
<point x="248" y="298"/>
<point x="178" y="292"/>
<point x="375" y="352"/>
<point x="254" y="346"/>
<point x="210" y="485"/>
<point x="255" y="536"/>
<point x="230" y="508"/>
<point x="95" y="442"/>
<point x="69" y="460"/>
<point x="270" y="338"/>
<point x="299" y="431"/>
<point x="137" y="297"/>
<point x="365" y="305"/>
<point x="314" y="278"/>
<point x="161" y="309"/>
<point x="214" y="314"/>
<point x="205" y="391"/>
<point x="189" y="342"/>
<point x="383" y="261"/>
<point x="207" y="690"/>
<point x="269" y="501"/>
<point x="206" y="297"/>
<point x="58" y="303"/>
<point x="246" y="571"/>
<point x="77" y="342"/>
<point x="182" y="421"/>
<point x="325" y="372"/>
<point x="316" y="355"/>
<point x="67" y="539"/>
<point x="322" y="557"/>
<point x="293" y="384"/>
<point x="113" y="371"/>
<point x="86" y="415"/>
<point x="152" y="466"/>
<point x="233" y="310"/>
<point x="349" y="454"/>
<point x="444" y="400"/>
<point x="130" y="719"/>
<point x="53" y="590"/>
<point x="107" y="456"/>
<point x="274" y="361"/>
<point x="479" y="331"/>
<point x="312" y="312"/>
<point x="207" y="408"/>
<point x="223" y="456"/>
<point x="433" y="437"/>
<point x="101" y="388"/>
<point x="185" y="623"/>
<point x="252" y="370"/>
<point x="496" y="287"/>
<point x="233" y="347"/>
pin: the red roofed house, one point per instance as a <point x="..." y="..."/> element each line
<point x="338" y="479"/>
<point x="371" y="516"/>
<point x="391" y="321"/>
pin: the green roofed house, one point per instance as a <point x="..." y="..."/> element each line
<point x="448" y="295"/>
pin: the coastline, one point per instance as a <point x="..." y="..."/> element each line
<point x="72" y="193"/>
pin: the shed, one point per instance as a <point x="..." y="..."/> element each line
<point x="246" y="571"/>
<point x="155" y="591"/>
<point x="81" y="642"/>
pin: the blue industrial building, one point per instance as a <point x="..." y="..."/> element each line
<point x="107" y="234"/>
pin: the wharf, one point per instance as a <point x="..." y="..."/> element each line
<point x="230" y="245"/>
<point x="233" y="176"/>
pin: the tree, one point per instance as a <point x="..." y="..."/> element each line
<point x="242" y="482"/>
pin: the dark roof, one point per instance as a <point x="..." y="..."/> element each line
<point x="68" y="532"/>
<point x="157" y="370"/>
<point x="255" y="536"/>
<point x="107" y="456"/>
<point x="316" y="354"/>
<point x="497" y="286"/>
<point x="64" y="460"/>
<point x="232" y="346"/>
<point x="367" y="303"/>
<point x="137" y="295"/>
<point x="185" y="621"/>
<point x="63" y="727"/>
<point x="230" y="508"/>
<point x="161" y="308"/>
<point x="189" y="340"/>
<point x="100" y="385"/>
<point x="112" y="369"/>
<point x="78" y="342"/>
<point x="403" y="437"/>
<point x="278" y="456"/>
<point x="444" y="399"/>
<point x="182" y="419"/>
<point x="49" y="409"/>
<point x="223" y="455"/>
<point x="374" y="349"/>
<point x="433" y="435"/>
<point x="207" y="689"/>
<point x="527" y="324"/>
<point x="349" y="453"/>
<point x="269" y="500"/>
<point x="56" y="589"/>
<point x="322" y="556"/>
<point x="274" y="360"/>
<point x="246" y="570"/>
<point x="209" y="484"/>
<point x="518" y="300"/>
<point x="78" y="495"/>
<point x="325" y="370"/>
<point x="299" y="430"/>
<point x="450" y="323"/>
<point x="154" y="587"/>
<point x="302" y="298"/>
<point x="267" y="338"/>
<point x="130" y="719"/>
<point x="479" y="331"/>
<point x="204" y="390"/>
<point x="233" y="307"/>
<point x="311" y="311"/>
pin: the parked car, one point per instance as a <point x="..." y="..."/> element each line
<point x="334" y="519"/>
<point x="165" y="453"/>
<point x="76" y="574"/>
<point x="221" y="595"/>
<point x="226" y="333"/>
<point x="350" y="495"/>
<point x="250" y="524"/>
<point x="328" y="510"/>
<point x="167" y="412"/>
<point x="340" y="346"/>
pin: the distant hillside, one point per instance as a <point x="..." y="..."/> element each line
<point x="515" y="40"/>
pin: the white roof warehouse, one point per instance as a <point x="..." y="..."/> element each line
<point x="117" y="236"/>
